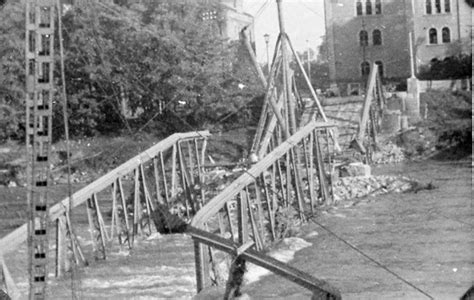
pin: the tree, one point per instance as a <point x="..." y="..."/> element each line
<point x="319" y="72"/>
<point x="12" y="77"/>
<point x="167" y="57"/>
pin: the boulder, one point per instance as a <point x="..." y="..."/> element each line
<point x="355" y="169"/>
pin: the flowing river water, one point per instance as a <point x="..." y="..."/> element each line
<point x="424" y="241"/>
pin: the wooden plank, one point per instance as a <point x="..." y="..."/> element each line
<point x="216" y="203"/>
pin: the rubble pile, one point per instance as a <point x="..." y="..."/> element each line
<point x="388" y="153"/>
<point x="346" y="188"/>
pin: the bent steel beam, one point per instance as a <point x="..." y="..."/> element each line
<point x="301" y="278"/>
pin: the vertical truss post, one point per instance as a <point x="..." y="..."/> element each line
<point x="61" y="246"/>
<point x="173" y="170"/>
<point x="173" y="175"/>
<point x="157" y="181"/>
<point x="125" y="212"/>
<point x="96" y="227"/>
<point x="200" y="178"/>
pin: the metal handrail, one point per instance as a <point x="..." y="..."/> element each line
<point x="14" y="239"/>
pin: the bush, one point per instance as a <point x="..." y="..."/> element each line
<point x="452" y="67"/>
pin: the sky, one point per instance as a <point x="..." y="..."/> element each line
<point x="304" y="22"/>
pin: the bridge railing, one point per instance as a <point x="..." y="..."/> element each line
<point x="245" y="218"/>
<point x="166" y="175"/>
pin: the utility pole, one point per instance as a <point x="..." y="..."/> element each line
<point x="266" y="36"/>
<point x="412" y="59"/>
<point x="309" y="61"/>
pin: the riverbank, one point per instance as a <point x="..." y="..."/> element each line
<point x="425" y="238"/>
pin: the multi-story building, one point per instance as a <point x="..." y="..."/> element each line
<point x="235" y="19"/>
<point x="362" y="32"/>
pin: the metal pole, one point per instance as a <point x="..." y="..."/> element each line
<point x="309" y="62"/>
<point x="267" y="40"/>
<point x="412" y="60"/>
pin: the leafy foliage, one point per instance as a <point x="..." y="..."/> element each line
<point x="160" y="58"/>
<point x="452" y="67"/>
<point x="167" y="61"/>
<point x="11" y="69"/>
<point x="319" y="72"/>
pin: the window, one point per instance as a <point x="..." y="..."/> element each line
<point x="433" y="36"/>
<point x="380" y="67"/>
<point x="447" y="6"/>
<point x="428" y="7"/>
<point x="438" y="6"/>
<point x="378" y="7"/>
<point x="365" y="68"/>
<point x="377" y="37"/>
<point x="368" y="7"/>
<point x="446" y="35"/>
<point x="359" y="8"/>
<point x="364" y="38"/>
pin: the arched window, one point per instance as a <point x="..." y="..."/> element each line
<point x="428" y="7"/>
<point x="377" y="37"/>
<point x="433" y="36"/>
<point x="380" y="68"/>
<point x="365" y="68"/>
<point x="364" y="38"/>
<point x="438" y="6"/>
<point x="446" y="35"/>
<point x="368" y="7"/>
<point x="359" y="7"/>
<point x="447" y="6"/>
<point x="378" y="7"/>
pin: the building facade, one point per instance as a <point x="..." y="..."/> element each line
<point x="235" y="19"/>
<point x="362" y="32"/>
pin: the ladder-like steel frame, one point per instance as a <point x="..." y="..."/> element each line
<point x="39" y="53"/>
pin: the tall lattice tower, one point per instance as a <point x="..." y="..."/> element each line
<point x="39" y="99"/>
